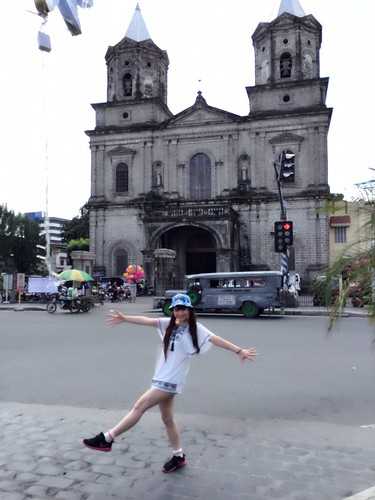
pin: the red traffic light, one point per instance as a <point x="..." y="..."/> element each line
<point x="287" y="226"/>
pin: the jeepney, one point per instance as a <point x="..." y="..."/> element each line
<point x="249" y="293"/>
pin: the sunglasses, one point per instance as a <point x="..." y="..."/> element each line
<point x="180" y="308"/>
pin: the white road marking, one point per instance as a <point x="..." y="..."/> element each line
<point x="371" y="426"/>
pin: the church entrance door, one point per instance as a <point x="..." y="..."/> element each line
<point x="195" y="251"/>
<point x="205" y="263"/>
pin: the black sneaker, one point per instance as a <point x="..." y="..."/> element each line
<point x="174" y="463"/>
<point x="98" y="443"/>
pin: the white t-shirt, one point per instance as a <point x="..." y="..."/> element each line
<point x="170" y="374"/>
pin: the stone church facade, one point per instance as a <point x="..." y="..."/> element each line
<point x="202" y="182"/>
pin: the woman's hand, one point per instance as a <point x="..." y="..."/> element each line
<point x="114" y="318"/>
<point x="247" y="354"/>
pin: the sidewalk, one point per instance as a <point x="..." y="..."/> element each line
<point x="144" y="305"/>
<point x="42" y="457"/>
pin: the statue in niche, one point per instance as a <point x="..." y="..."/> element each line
<point x="307" y="66"/>
<point x="157" y="176"/>
<point x="244" y="169"/>
<point x="148" y="88"/>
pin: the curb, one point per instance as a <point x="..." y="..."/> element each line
<point x="290" y="312"/>
<point x="22" y="308"/>
<point x="363" y="495"/>
<point x="304" y="312"/>
<point x="287" y="312"/>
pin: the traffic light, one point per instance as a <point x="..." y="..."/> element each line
<point x="287" y="167"/>
<point x="283" y="235"/>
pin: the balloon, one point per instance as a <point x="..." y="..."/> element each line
<point x="134" y="273"/>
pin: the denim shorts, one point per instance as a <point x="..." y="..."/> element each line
<point x="164" y="386"/>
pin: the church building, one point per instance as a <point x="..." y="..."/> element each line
<point x="202" y="182"/>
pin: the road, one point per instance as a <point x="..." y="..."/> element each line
<point x="302" y="373"/>
<point x="287" y="426"/>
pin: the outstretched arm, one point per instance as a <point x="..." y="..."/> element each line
<point x="117" y="317"/>
<point x="243" y="354"/>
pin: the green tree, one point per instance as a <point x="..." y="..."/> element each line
<point x="19" y="237"/>
<point x="78" y="227"/>
<point x="80" y="244"/>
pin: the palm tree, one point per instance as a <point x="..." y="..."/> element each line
<point x="355" y="266"/>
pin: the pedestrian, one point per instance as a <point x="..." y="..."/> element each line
<point x="182" y="337"/>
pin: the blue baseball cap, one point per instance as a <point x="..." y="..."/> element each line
<point x="181" y="299"/>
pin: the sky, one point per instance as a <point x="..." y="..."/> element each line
<point x="46" y="98"/>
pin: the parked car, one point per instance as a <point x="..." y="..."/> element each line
<point x="249" y="293"/>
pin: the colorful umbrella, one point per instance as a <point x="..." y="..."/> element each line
<point x="74" y="275"/>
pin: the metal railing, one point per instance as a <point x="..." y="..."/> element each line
<point x="305" y="300"/>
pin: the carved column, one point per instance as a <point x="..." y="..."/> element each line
<point x="219" y="173"/>
<point x="142" y="162"/>
<point x="100" y="238"/>
<point x="323" y="170"/>
<point x="100" y="171"/>
<point x="93" y="172"/>
<point x="214" y="186"/>
<point x="175" y="181"/>
<point x="224" y="174"/>
<point x="223" y="260"/>
<point x="181" y="174"/>
<point x="148" y="164"/>
<point x="149" y="265"/>
<point x="230" y="163"/>
<point x="167" y="167"/>
<point x="164" y="269"/>
<point x="93" y="229"/>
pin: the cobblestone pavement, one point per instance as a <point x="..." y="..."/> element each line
<point x="42" y="457"/>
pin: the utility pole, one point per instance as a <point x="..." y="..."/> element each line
<point x="69" y="12"/>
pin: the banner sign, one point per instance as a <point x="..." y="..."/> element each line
<point x="8" y="281"/>
<point x="39" y="284"/>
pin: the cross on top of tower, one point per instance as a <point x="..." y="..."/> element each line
<point x="292" y="7"/>
<point x="137" y="30"/>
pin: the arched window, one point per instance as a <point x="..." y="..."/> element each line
<point x="122" y="178"/>
<point x="286" y="64"/>
<point x="200" y="177"/>
<point x="127" y="83"/>
<point x="121" y="260"/>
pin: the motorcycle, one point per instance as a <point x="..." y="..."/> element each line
<point x="66" y="304"/>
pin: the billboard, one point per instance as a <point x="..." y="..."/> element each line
<point x="37" y="216"/>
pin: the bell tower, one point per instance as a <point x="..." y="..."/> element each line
<point x="287" y="61"/>
<point x="137" y="69"/>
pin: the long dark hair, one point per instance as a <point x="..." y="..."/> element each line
<point x="192" y="330"/>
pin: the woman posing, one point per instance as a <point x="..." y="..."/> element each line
<point x="182" y="337"/>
